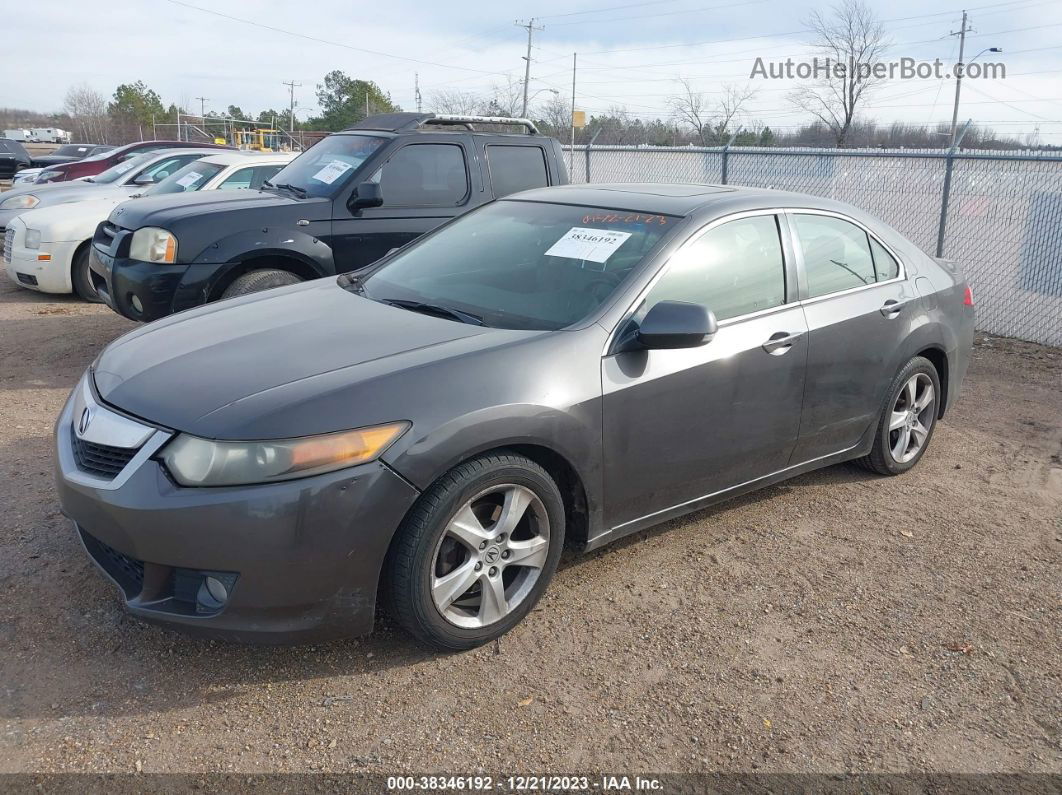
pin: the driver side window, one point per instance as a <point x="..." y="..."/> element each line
<point x="734" y="269"/>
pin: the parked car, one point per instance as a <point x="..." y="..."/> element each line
<point x="120" y="181"/>
<point x="13" y="158"/>
<point x="338" y="207"/>
<point x="95" y="164"/>
<point x="50" y="243"/>
<point x="69" y="153"/>
<point x="573" y="363"/>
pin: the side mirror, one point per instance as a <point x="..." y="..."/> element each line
<point x="367" y="194"/>
<point x="676" y="324"/>
<point x="144" y="179"/>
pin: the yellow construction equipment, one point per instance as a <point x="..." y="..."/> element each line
<point x="261" y="140"/>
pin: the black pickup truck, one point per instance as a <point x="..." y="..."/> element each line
<point x="340" y="206"/>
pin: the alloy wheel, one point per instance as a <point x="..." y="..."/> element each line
<point x="912" y="417"/>
<point x="490" y="556"/>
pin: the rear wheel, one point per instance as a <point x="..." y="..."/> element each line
<point x="907" y="420"/>
<point x="82" y="279"/>
<point x="256" y="281"/>
<point x="476" y="552"/>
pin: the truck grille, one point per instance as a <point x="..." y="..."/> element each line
<point x="101" y="459"/>
<point x="9" y="244"/>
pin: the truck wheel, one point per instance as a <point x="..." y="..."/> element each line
<point x="475" y="552"/>
<point x="256" y="281"/>
<point x="82" y="279"/>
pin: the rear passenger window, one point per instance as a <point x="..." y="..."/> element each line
<point x="836" y="254"/>
<point x="516" y="168"/>
<point x="885" y="265"/>
<point x="425" y="175"/>
<point x="733" y="269"/>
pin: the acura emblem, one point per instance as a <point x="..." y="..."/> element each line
<point x="83" y="423"/>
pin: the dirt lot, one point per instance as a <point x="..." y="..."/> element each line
<point x="837" y="622"/>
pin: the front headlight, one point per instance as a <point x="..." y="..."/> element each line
<point x="48" y="176"/>
<point x="201" y="462"/>
<point x="33" y="238"/>
<point x="23" y="201"/>
<point x="152" y="244"/>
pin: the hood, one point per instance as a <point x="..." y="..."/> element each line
<point x="52" y="160"/>
<point x="173" y="208"/>
<point x="263" y="366"/>
<point x="56" y="189"/>
<point x="73" y="221"/>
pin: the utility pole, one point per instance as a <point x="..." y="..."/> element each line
<point x="571" y="153"/>
<point x="202" y="106"/>
<point x="961" y="33"/>
<point x="531" y="28"/>
<point x="292" y="85"/>
<point x="416" y="90"/>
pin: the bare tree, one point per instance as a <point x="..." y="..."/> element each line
<point x="849" y="36"/>
<point x="710" y="121"/>
<point x="88" y="110"/>
<point x="556" y="117"/>
<point x="506" y="98"/>
<point x="462" y="103"/>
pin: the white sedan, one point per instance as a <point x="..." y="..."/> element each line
<point x="47" y="248"/>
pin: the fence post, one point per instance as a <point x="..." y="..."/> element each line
<point x="726" y="157"/>
<point x="946" y="193"/>
<point x="586" y="152"/>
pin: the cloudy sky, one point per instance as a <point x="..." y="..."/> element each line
<point x="631" y="54"/>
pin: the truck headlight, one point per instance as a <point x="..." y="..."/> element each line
<point x="151" y="244"/>
<point x="23" y="201"/>
<point x="201" y="462"/>
<point x="33" y="238"/>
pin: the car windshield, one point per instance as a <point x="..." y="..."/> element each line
<point x="115" y="173"/>
<point x="520" y="265"/>
<point x="190" y="178"/>
<point x="72" y="150"/>
<point x="328" y="165"/>
<point x="101" y="155"/>
<point x="13" y="147"/>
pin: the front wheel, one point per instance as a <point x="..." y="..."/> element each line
<point x="476" y="552"/>
<point x="256" y="281"/>
<point x="81" y="277"/>
<point x="907" y="419"/>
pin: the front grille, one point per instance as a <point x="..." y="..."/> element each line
<point x="101" y="459"/>
<point x="9" y="244"/>
<point x="129" y="572"/>
<point x="109" y="229"/>
<point x="27" y="278"/>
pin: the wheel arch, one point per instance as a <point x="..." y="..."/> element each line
<point x="279" y="261"/>
<point x="939" y="359"/>
<point x="82" y="246"/>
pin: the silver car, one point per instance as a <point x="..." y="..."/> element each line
<point x="568" y="364"/>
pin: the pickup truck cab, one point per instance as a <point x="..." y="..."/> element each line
<point x="340" y="206"/>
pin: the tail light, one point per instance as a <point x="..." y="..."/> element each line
<point x="967" y="296"/>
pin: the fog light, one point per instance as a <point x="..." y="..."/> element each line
<point x="139" y="307"/>
<point x="212" y="594"/>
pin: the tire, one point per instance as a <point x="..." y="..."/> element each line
<point x="82" y="279"/>
<point x="432" y="585"/>
<point x="256" y="281"/>
<point x="889" y="436"/>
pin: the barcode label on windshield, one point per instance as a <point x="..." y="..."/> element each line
<point x="594" y="245"/>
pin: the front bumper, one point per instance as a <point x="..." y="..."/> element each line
<point x="26" y="269"/>
<point x="302" y="558"/>
<point x="158" y="290"/>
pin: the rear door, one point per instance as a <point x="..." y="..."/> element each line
<point x="424" y="183"/>
<point x="859" y="308"/>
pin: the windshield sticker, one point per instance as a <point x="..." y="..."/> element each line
<point x="332" y="172"/>
<point x="624" y="218"/>
<point x="594" y="245"/>
<point x="189" y="179"/>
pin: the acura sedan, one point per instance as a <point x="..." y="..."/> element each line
<point x="568" y="364"/>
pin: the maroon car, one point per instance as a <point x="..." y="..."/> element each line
<point x="99" y="163"/>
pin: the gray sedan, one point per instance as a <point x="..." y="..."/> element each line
<point x="569" y="364"/>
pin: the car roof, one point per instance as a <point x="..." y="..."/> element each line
<point x="679" y="199"/>
<point x="235" y="158"/>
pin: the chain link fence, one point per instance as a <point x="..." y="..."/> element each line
<point x="998" y="215"/>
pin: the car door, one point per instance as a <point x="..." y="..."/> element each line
<point x="859" y="307"/>
<point x="684" y="424"/>
<point x="423" y="183"/>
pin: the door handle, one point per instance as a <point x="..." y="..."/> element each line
<point x="892" y="308"/>
<point x="781" y="342"/>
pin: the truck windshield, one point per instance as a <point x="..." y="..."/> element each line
<point x="520" y="265"/>
<point x="324" y="168"/>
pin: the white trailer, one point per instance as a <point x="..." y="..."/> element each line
<point x="50" y="135"/>
<point x="17" y="135"/>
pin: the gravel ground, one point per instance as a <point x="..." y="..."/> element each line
<point x="839" y="621"/>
